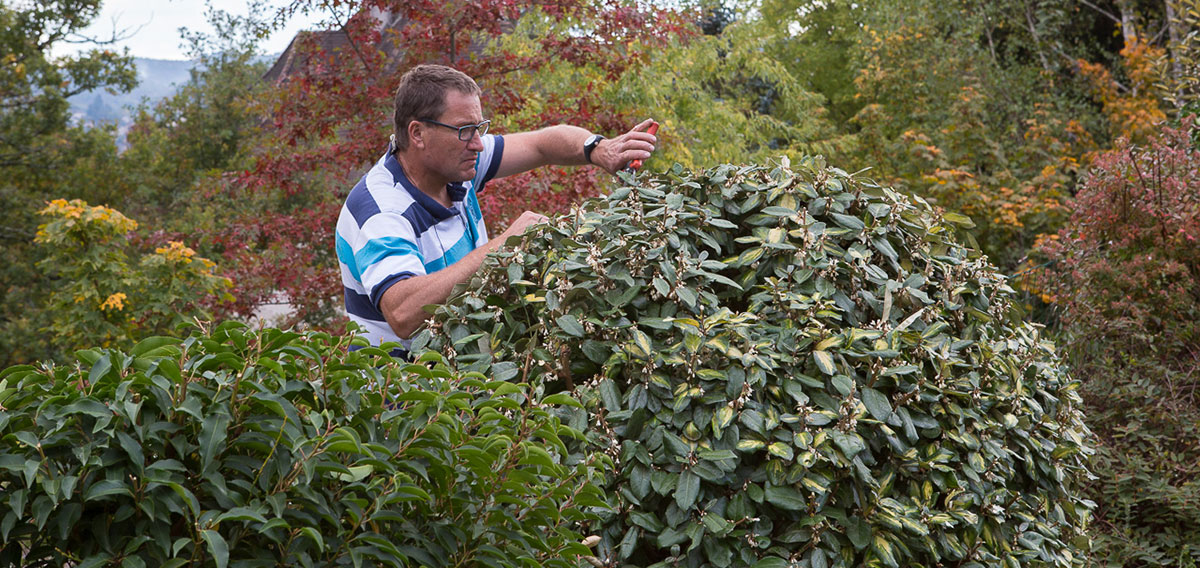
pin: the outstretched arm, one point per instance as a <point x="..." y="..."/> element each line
<point x="402" y="304"/>
<point x="562" y="145"/>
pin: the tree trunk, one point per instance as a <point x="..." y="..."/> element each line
<point x="1173" y="49"/>
<point x="1128" y="22"/>
<point x="1037" y="39"/>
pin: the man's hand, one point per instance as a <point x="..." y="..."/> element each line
<point x="523" y="222"/>
<point x="402" y="304"/>
<point x="614" y="154"/>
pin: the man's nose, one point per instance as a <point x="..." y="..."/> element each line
<point x="475" y="144"/>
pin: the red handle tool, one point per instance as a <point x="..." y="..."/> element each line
<point x="635" y="164"/>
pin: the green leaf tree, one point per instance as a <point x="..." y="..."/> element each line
<point x="180" y="146"/>
<point x="44" y="156"/>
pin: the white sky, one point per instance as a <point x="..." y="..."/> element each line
<point x="159" y="22"/>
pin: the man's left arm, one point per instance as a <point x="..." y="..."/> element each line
<point x="562" y="145"/>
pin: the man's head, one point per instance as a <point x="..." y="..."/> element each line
<point x="422" y="96"/>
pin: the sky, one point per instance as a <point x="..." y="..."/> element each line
<point x="155" y="26"/>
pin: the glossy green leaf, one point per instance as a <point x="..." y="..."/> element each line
<point x="687" y="490"/>
<point x="571" y="325"/>
<point x="824" y="362"/>
<point x="859" y="532"/>
<point x="785" y="498"/>
<point x="877" y="404"/>
<point x="217" y="547"/>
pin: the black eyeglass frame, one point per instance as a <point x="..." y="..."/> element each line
<point x="468" y="130"/>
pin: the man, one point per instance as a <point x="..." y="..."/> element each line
<point x="411" y="229"/>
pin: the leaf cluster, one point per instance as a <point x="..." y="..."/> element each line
<point x="242" y="448"/>
<point x="790" y="366"/>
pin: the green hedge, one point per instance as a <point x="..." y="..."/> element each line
<point x="242" y="448"/>
<point x="790" y="367"/>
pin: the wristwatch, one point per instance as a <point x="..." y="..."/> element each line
<point x="589" y="145"/>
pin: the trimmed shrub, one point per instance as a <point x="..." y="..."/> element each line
<point x="242" y="448"/>
<point x="790" y="367"/>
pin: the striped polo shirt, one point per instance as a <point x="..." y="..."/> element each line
<point x="389" y="231"/>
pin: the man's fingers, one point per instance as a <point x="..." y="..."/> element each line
<point x="644" y="125"/>
<point x="530" y="218"/>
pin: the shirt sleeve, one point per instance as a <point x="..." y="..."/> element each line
<point x="488" y="162"/>
<point x="388" y="254"/>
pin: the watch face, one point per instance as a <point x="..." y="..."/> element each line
<point x="592" y="142"/>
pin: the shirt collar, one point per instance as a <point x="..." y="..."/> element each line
<point x="457" y="191"/>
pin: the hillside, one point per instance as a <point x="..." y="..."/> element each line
<point x="157" y="78"/>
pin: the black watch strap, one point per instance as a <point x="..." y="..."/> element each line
<point x="589" y="145"/>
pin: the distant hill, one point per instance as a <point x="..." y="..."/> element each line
<point x="157" y="79"/>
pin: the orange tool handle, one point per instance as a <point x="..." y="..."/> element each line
<point x="634" y="165"/>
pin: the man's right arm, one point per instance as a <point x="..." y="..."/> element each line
<point x="402" y="304"/>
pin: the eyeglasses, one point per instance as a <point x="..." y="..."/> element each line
<point x="465" y="133"/>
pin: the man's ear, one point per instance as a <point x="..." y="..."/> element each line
<point x="416" y="134"/>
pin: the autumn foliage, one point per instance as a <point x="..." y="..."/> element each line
<point x="1123" y="281"/>
<point x="1128" y="262"/>
<point x="1134" y="110"/>
<point x="110" y="290"/>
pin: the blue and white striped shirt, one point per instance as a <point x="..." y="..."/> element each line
<point x="389" y="231"/>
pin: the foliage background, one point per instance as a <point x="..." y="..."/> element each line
<point x="1025" y="115"/>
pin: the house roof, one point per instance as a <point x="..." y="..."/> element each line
<point x="290" y="61"/>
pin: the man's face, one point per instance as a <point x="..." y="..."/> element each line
<point x="453" y="158"/>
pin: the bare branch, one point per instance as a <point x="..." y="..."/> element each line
<point x="350" y="39"/>
<point x="1102" y="11"/>
<point x="118" y="34"/>
<point x="1037" y="39"/>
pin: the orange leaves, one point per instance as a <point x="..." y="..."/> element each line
<point x="75" y="219"/>
<point x="1132" y="109"/>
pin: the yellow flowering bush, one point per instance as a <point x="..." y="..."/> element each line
<point x="109" y="292"/>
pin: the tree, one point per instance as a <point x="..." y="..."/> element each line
<point x="978" y="107"/>
<point x="42" y="154"/>
<point x="102" y="290"/>
<point x="34" y="86"/>
<point x="181" y="147"/>
<point x="722" y="101"/>
<point x="816" y="41"/>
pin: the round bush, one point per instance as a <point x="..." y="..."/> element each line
<point x="240" y="448"/>
<point x="790" y="367"/>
